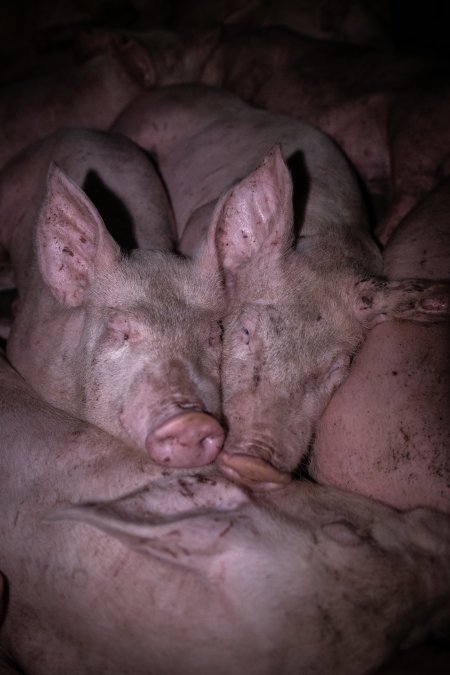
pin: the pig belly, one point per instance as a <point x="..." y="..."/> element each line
<point x="386" y="431"/>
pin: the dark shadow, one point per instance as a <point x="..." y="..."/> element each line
<point x="301" y="472"/>
<point x="301" y="183"/>
<point x="116" y="216"/>
<point x="7" y="300"/>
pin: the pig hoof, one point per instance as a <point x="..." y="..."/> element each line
<point x="188" y="440"/>
<point x="252" y="472"/>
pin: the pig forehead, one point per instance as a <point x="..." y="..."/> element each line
<point x="155" y="279"/>
<point x="297" y="318"/>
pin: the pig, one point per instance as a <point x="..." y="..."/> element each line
<point x="419" y="138"/>
<point x="129" y="341"/>
<point x="90" y="94"/>
<point x="387" y="111"/>
<point x="386" y="432"/>
<point x="154" y="57"/>
<point x="302" y="273"/>
<point x="346" y="20"/>
<point x="117" y="565"/>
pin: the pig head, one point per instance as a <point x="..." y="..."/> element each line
<point x="296" y="316"/>
<point x="117" y="565"/>
<point x="128" y="341"/>
<point x="302" y="273"/>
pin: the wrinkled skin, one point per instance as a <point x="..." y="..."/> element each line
<point x="386" y="432"/>
<point x="295" y="314"/>
<point x="128" y="342"/>
<point x="116" y="565"/>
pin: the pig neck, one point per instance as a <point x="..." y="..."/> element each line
<point x="333" y="254"/>
<point x="44" y="346"/>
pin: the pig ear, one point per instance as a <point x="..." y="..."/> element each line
<point x="255" y="217"/>
<point x="72" y="242"/>
<point x="410" y="299"/>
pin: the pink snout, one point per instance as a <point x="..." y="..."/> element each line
<point x="187" y="440"/>
<point x="253" y="472"/>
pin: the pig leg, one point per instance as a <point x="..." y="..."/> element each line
<point x="410" y="299"/>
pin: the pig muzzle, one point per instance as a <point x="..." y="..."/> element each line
<point x="252" y="472"/>
<point x="187" y="440"/>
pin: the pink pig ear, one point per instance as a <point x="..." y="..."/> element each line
<point x="72" y="242"/>
<point x="410" y="299"/>
<point x="255" y="217"/>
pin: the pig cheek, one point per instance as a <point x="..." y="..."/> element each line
<point x="135" y="410"/>
<point x="111" y="389"/>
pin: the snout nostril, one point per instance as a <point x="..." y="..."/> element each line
<point x="190" y="439"/>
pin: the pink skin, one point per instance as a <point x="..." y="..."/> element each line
<point x="385" y="433"/>
<point x="295" y="316"/>
<point x="116" y="565"/>
<point x="128" y="343"/>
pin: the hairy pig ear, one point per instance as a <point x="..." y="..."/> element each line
<point x="255" y="217"/>
<point x="72" y="242"/>
<point x="410" y="299"/>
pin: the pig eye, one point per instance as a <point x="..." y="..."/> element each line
<point x="245" y="335"/>
<point x="123" y="328"/>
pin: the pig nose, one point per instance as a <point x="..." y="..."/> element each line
<point x="253" y="472"/>
<point x="187" y="440"/>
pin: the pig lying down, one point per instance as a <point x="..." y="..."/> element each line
<point x="386" y="432"/>
<point x="129" y="342"/>
<point x="302" y="273"/>
<point x="116" y="565"/>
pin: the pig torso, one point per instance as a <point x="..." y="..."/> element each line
<point x="386" y="432"/>
<point x="114" y="564"/>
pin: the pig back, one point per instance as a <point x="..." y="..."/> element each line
<point x="206" y="140"/>
<point x="117" y="565"/>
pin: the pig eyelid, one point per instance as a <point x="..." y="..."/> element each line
<point x="123" y="327"/>
<point x="245" y="334"/>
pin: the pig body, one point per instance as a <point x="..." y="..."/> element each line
<point x="387" y="112"/>
<point x="86" y="95"/>
<point x="114" y="564"/>
<point x="129" y="342"/>
<point x="386" y="432"/>
<point x="300" y="267"/>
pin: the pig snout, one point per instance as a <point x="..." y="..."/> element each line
<point x="252" y="472"/>
<point x="190" y="439"/>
